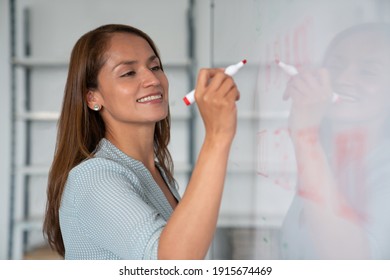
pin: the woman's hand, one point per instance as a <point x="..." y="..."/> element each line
<point x="216" y="95"/>
<point x="311" y="95"/>
<point x="190" y="230"/>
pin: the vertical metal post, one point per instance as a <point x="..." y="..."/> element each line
<point x="12" y="11"/>
<point x="27" y="108"/>
<point x="212" y="16"/>
<point x="190" y="70"/>
<point x="13" y="231"/>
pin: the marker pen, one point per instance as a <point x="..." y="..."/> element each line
<point x="230" y="70"/>
<point x="292" y="71"/>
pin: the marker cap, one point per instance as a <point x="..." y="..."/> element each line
<point x="186" y="101"/>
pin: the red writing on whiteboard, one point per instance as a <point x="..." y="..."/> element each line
<point x="292" y="47"/>
<point x="274" y="157"/>
<point x="350" y="171"/>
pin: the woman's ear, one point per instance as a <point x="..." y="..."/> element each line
<point x="93" y="101"/>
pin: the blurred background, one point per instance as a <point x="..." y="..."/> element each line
<point x="36" y="38"/>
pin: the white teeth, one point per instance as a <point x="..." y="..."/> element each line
<point x="347" y="97"/>
<point x="149" y="98"/>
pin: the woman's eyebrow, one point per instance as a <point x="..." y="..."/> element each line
<point x="132" y="62"/>
<point x="373" y="60"/>
<point x="124" y="62"/>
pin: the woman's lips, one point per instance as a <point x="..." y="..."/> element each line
<point x="149" y="98"/>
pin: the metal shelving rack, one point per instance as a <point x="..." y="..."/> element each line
<point x="21" y="221"/>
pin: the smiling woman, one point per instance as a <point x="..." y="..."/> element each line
<point x="111" y="191"/>
<point x="132" y="89"/>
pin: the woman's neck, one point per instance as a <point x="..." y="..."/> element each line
<point x="136" y="141"/>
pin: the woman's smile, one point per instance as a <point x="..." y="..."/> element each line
<point x="153" y="98"/>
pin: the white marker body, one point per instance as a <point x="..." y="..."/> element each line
<point x="289" y="69"/>
<point x="292" y="71"/>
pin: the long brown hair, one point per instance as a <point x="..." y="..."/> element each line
<point x="80" y="129"/>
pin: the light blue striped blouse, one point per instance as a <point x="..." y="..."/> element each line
<point x="112" y="208"/>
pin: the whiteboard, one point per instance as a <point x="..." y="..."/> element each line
<point x="297" y="32"/>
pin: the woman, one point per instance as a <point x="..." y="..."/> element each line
<point x="342" y="202"/>
<point x="111" y="191"/>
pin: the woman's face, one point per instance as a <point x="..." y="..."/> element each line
<point x="359" y="68"/>
<point x="132" y="88"/>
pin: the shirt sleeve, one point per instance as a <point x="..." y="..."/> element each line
<point x="112" y="214"/>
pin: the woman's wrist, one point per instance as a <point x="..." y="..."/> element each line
<point x="217" y="142"/>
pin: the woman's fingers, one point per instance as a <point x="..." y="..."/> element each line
<point x="309" y="87"/>
<point x="215" y="84"/>
<point x="216" y="95"/>
<point x="311" y="94"/>
<point x="205" y="75"/>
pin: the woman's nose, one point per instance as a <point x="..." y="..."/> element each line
<point x="346" y="76"/>
<point x="149" y="78"/>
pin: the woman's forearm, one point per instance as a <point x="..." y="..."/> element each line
<point x="189" y="231"/>
<point x="331" y="222"/>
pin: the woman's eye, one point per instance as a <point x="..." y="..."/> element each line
<point x="156" y="68"/>
<point x="371" y="70"/>
<point x="130" y="73"/>
<point x="368" y="72"/>
<point x="334" y="67"/>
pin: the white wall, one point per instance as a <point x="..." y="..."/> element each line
<point x="5" y="127"/>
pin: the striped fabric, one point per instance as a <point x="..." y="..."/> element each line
<point x="112" y="208"/>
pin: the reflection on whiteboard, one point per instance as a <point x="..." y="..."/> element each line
<point x="342" y="151"/>
<point x="321" y="166"/>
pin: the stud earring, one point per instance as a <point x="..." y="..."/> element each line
<point x="96" y="107"/>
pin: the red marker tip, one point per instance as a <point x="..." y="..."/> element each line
<point x="244" y="61"/>
<point x="186" y="101"/>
